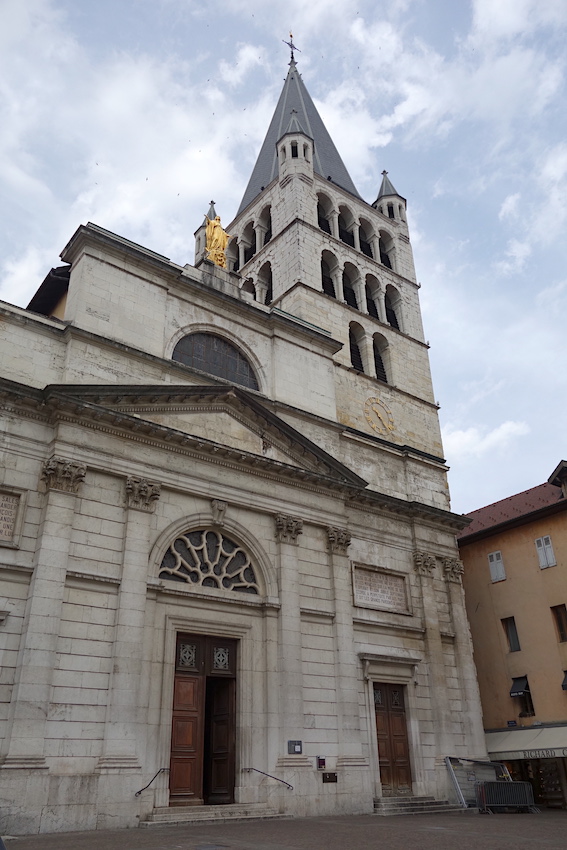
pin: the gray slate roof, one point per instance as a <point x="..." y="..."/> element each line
<point x="327" y="161"/>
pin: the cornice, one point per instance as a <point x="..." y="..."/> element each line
<point x="184" y="276"/>
<point x="332" y="240"/>
<point x="395" y="628"/>
<point x="57" y="404"/>
<point x="102" y="398"/>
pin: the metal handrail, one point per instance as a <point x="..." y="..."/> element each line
<point x="266" y="774"/>
<point x="161" y="770"/>
<point x="456" y="785"/>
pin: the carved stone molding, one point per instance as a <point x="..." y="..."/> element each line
<point x="218" y="508"/>
<point x="288" y="528"/>
<point x="423" y="563"/>
<point x="338" y="539"/>
<point x="61" y="474"/>
<point x="141" y="494"/>
<point x="453" y="569"/>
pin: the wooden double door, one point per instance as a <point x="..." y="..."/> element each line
<point x="392" y="735"/>
<point x="204" y="722"/>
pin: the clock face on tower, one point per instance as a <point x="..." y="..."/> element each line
<point x="379" y="416"/>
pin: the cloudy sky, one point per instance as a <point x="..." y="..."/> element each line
<point x="133" y="114"/>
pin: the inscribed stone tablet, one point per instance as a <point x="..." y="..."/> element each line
<point x="8" y="514"/>
<point x="379" y="590"/>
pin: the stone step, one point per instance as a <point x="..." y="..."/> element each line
<point x="172" y="815"/>
<point x="388" y="806"/>
<point x="384" y="801"/>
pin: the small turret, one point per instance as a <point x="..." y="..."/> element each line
<point x="294" y="150"/>
<point x="389" y="202"/>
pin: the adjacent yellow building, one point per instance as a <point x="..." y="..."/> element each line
<point x="515" y="558"/>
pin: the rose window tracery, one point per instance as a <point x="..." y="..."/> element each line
<point x="207" y="558"/>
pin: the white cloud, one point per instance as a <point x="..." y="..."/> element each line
<point x="509" y="208"/>
<point x="553" y="296"/>
<point x="473" y="443"/>
<point x="248" y="56"/>
<point x="506" y="19"/>
<point x="517" y="252"/>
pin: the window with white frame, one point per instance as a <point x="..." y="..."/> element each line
<point x="496" y="564"/>
<point x="545" y="552"/>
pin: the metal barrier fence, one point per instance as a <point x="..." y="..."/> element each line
<point x="501" y="795"/>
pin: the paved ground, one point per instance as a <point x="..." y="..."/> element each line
<point x="545" y="831"/>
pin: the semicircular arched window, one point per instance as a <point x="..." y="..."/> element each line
<point x="217" y="356"/>
<point x="208" y="558"/>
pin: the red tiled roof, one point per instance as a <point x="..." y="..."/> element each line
<point x="512" y="508"/>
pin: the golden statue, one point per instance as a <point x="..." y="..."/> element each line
<point x="217" y="239"/>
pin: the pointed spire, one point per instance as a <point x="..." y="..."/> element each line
<point x="294" y="126"/>
<point x="212" y="213"/>
<point x="386" y="188"/>
<point x="326" y="158"/>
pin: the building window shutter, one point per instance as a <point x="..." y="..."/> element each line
<point x="545" y="552"/>
<point x="549" y="551"/>
<point x="496" y="564"/>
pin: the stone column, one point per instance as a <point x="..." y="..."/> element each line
<point x="375" y="245"/>
<point x="360" y="292"/>
<point x="424" y="565"/>
<point x="346" y="665"/>
<point x="24" y="741"/>
<point x="367" y="354"/>
<point x="381" y="305"/>
<point x="356" y="235"/>
<point x="334" y="221"/>
<point x="126" y="715"/>
<point x="288" y="529"/>
<point x="261" y="290"/>
<point x="337" y="278"/>
<point x="241" y="250"/>
<point x="260" y="233"/>
<point x="453" y="569"/>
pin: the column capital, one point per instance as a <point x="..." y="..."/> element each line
<point x="61" y="474"/>
<point x="338" y="539"/>
<point x="453" y="569"/>
<point x="288" y="528"/>
<point x="423" y="563"/>
<point x="141" y="494"/>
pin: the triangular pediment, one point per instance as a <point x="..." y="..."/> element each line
<point x="224" y="417"/>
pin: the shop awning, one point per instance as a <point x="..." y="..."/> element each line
<point x="519" y="686"/>
<point x="532" y="743"/>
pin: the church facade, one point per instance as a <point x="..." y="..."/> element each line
<point x="228" y="565"/>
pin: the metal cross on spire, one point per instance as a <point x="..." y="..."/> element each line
<point x="291" y="46"/>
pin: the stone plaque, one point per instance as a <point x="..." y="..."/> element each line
<point x="8" y="514"/>
<point x="375" y="589"/>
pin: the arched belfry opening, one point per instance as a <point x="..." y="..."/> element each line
<point x="352" y="286"/>
<point x="393" y="305"/>
<point x="329" y="269"/>
<point x="356" y="343"/>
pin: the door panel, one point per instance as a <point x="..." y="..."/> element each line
<point x="391" y="732"/>
<point x="186" y="767"/>
<point x="219" y="746"/>
<point x="204" y="721"/>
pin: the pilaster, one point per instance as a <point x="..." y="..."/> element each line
<point x="424" y="566"/>
<point x="126" y="715"/>
<point x="24" y="742"/>
<point x="287" y="532"/>
<point x="346" y="665"/>
<point x="453" y="570"/>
